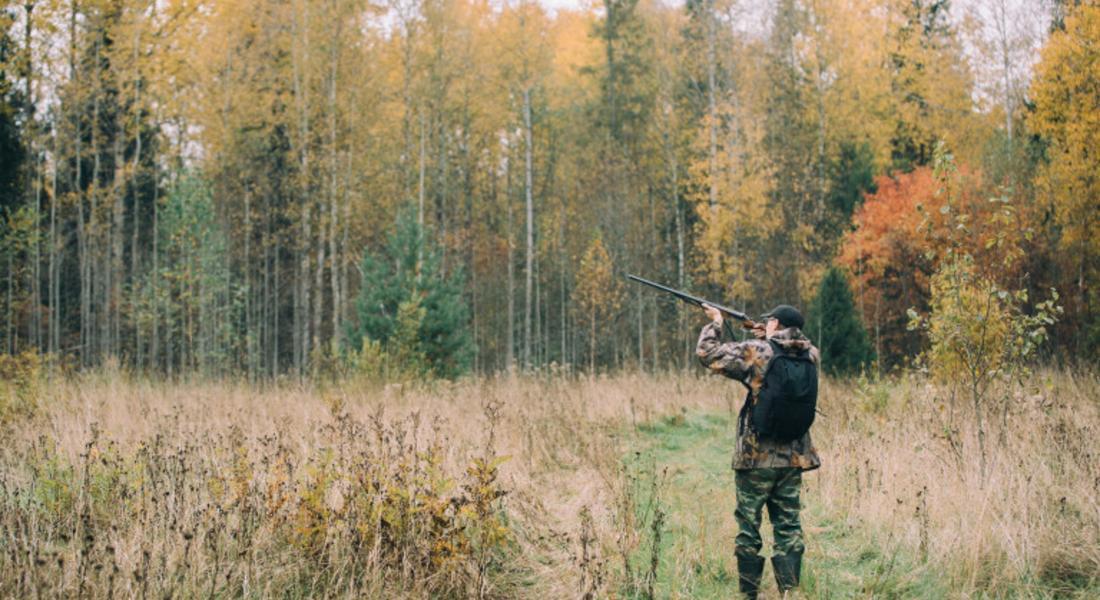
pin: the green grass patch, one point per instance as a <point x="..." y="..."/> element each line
<point x="684" y="461"/>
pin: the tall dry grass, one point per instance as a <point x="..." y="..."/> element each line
<point x="904" y="463"/>
<point x="129" y="488"/>
<point x="504" y="487"/>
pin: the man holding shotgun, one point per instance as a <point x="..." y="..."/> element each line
<point x="779" y="368"/>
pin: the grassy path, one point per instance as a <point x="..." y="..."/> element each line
<point x="685" y="462"/>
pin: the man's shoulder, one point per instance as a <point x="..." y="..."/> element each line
<point x="756" y="350"/>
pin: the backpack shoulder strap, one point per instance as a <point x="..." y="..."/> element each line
<point x="777" y="351"/>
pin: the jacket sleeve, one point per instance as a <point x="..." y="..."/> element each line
<point x="732" y="359"/>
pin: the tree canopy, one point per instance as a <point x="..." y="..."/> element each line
<point x="738" y="149"/>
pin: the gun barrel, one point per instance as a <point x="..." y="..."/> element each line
<point x="690" y="299"/>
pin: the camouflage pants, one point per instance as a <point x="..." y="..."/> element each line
<point x="778" y="489"/>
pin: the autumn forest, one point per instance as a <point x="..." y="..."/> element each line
<point x="328" y="299"/>
<point x="292" y="187"/>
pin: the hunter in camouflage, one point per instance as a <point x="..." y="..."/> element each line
<point x="769" y="472"/>
<point x="745" y="362"/>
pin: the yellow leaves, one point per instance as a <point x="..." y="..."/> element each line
<point x="732" y="202"/>
<point x="525" y="53"/>
<point x="969" y="324"/>
<point x="597" y="292"/>
<point x="846" y="66"/>
<point x="1066" y="93"/>
<point x="931" y="81"/>
<point x="574" y="50"/>
<point x="21" y="379"/>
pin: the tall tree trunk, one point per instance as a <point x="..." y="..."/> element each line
<point x="592" y="341"/>
<point x="712" y="107"/>
<point x="9" y="327"/>
<point x="276" y="306"/>
<point x="319" y="287"/>
<point x="509" y="357"/>
<point x="539" y="345"/>
<point x="638" y="302"/>
<point x="54" y="332"/>
<point x="302" y="283"/>
<point x="77" y="181"/>
<point x="334" y="271"/>
<point x="114" y="321"/>
<point x="680" y="282"/>
<point x="135" y="254"/>
<point x="561" y="286"/>
<point x="420" y="193"/>
<point x="268" y="310"/>
<point x="1001" y="10"/>
<point x="154" y="342"/>
<point x="303" y="286"/>
<point x="530" y="211"/>
<point x="96" y="285"/>
<point x="249" y="299"/>
<point x="344" y="285"/>
<point x="33" y="173"/>
<point x="135" y="216"/>
<point x="610" y="35"/>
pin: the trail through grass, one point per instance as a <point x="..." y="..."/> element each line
<point x="685" y="461"/>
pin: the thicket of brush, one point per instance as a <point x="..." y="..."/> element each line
<point x="904" y="465"/>
<point x="509" y="487"/>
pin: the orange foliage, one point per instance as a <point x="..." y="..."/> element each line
<point x="902" y="230"/>
<point x="883" y="253"/>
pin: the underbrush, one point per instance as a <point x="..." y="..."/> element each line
<point x="21" y="382"/>
<point x="121" y="486"/>
<point x="909" y="472"/>
<point x="219" y="513"/>
<point x="539" y="486"/>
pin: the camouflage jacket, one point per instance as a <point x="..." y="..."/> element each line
<point x="745" y="361"/>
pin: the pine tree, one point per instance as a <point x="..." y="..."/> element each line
<point x="852" y="174"/>
<point x="393" y="279"/>
<point x="836" y="329"/>
<point x="12" y="152"/>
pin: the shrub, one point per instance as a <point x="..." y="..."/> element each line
<point x="20" y="385"/>
<point x="978" y="332"/>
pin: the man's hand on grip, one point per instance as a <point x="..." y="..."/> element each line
<point x="713" y="313"/>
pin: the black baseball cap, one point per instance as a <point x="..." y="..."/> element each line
<point x="787" y="315"/>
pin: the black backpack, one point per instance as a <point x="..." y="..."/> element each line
<point x="787" y="402"/>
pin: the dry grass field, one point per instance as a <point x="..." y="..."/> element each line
<point x="543" y="486"/>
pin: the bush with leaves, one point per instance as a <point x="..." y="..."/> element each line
<point x="21" y="385"/>
<point x="978" y="332"/>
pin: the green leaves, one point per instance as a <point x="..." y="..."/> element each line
<point x="413" y="308"/>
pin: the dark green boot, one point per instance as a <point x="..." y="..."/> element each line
<point x="788" y="569"/>
<point x="749" y="571"/>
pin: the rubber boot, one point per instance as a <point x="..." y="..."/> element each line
<point x="749" y="571"/>
<point x="788" y="570"/>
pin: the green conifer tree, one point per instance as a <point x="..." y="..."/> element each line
<point x="836" y="329"/>
<point x="12" y="152"/>
<point x="409" y="267"/>
<point x="851" y="175"/>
